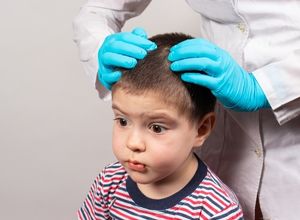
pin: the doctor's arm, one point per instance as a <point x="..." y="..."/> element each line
<point x="280" y="82"/>
<point x="96" y="20"/>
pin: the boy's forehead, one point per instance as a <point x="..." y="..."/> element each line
<point x="141" y="97"/>
<point x="147" y="101"/>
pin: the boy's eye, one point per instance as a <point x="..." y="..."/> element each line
<point x="157" y="128"/>
<point x="121" y="121"/>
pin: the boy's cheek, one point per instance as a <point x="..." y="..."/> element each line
<point x="118" y="151"/>
<point x="118" y="143"/>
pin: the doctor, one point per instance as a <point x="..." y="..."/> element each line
<point x="252" y="60"/>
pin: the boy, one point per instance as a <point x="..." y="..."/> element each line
<point x="159" y="121"/>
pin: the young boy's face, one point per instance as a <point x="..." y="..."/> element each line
<point x="151" y="140"/>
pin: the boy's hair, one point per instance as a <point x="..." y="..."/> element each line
<point x="153" y="74"/>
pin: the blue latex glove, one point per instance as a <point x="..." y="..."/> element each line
<point x="121" y="50"/>
<point x="234" y="87"/>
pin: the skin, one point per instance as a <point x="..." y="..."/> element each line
<point x="155" y="144"/>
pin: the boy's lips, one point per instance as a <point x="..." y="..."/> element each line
<point x="136" y="166"/>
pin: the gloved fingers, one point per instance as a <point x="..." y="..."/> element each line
<point x="200" y="79"/>
<point x="102" y="81"/>
<point x="193" y="51"/>
<point x="107" y="79"/>
<point x="111" y="77"/>
<point x="209" y="66"/>
<point x="136" y="40"/>
<point x="192" y="42"/>
<point x="127" y="49"/>
<point x="139" y="32"/>
<point x="118" y="60"/>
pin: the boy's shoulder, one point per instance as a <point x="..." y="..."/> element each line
<point x="213" y="199"/>
<point x="216" y="197"/>
<point x="213" y="185"/>
<point x="110" y="179"/>
<point x="111" y="175"/>
<point x="114" y="171"/>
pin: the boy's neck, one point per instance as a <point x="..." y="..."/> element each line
<point x="172" y="184"/>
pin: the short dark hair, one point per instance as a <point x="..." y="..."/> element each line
<point x="153" y="74"/>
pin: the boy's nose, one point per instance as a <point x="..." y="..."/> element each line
<point x="135" y="142"/>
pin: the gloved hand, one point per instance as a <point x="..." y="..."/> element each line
<point x="234" y="87"/>
<point x="121" y="50"/>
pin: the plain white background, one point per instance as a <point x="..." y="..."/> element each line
<point x="55" y="133"/>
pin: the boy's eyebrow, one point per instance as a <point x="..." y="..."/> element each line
<point x="151" y="115"/>
<point x="154" y="115"/>
<point x="114" y="106"/>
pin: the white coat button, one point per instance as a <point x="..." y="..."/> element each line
<point x="242" y="27"/>
<point x="258" y="152"/>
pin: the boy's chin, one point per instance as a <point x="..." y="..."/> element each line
<point x="140" y="178"/>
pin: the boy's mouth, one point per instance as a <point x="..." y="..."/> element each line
<point x="136" y="166"/>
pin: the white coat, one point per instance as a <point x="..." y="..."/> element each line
<point x="258" y="153"/>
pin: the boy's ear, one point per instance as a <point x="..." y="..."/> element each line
<point x="204" y="128"/>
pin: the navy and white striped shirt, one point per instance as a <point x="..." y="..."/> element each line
<point x="114" y="195"/>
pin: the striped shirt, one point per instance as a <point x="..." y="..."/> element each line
<point x="114" y="195"/>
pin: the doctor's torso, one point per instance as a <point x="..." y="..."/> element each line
<point x="255" y="32"/>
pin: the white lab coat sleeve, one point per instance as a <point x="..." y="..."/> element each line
<point x="280" y="82"/>
<point x="96" y="20"/>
